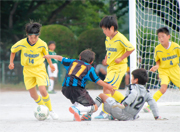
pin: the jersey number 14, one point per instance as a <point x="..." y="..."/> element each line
<point x="31" y="60"/>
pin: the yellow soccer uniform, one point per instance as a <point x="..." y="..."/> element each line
<point x="31" y="55"/>
<point x="169" y="69"/>
<point x="115" y="48"/>
<point x="32" y="60"/>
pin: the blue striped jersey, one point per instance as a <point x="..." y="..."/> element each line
<point x="78" y="72"/>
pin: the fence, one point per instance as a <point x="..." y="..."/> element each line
<point x="15" y="76"/>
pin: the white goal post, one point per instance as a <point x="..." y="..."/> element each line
<point x="145" y="17"/>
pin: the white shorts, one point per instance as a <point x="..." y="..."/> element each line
<point x="55" y="73"/>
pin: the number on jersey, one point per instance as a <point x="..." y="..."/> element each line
<point x="31" y="60"/>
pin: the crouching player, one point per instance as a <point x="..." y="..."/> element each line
<point x="78" y="72"/>
<point x="136" y="96"/>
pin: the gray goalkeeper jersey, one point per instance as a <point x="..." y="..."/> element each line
<point x="135" y="98"/>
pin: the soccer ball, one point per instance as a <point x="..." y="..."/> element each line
<point x="41" y="112"/>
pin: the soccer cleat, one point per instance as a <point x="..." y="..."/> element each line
<point x="86" y="117"/>
<point x="110" y="117"/>
<point x="136" y="117"/>
<point x="53" y="115"/>
<point x="76" y="113"/>
<point x="147" y="109"/>
<point x="52" y="92"/>
<point x="102" y="115"/>
<point x="79" y="115"/>
<point x="160" y="118"/>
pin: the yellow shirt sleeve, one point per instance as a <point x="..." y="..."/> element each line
<point x="45" y="49"/>
<point x="126" y="43"/>
<point x="17" y="47"/>
<point x="155" y="55"/>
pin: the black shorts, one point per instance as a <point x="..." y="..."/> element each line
<point x="78" y="94"/>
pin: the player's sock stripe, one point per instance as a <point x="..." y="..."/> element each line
<point x="46" y="100"/>
<point x="39" y="101"/>
<point x="99" y="99"/>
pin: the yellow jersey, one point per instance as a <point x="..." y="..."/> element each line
<point x="31" y="55"/>
<point x="116" y="47"/>
<point x="167" y="57"/>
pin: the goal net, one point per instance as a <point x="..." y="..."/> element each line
<point x="151" y="15"/>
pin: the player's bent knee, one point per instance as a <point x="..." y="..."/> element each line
<point x="100" y="95"/>
<point x="95" y="108"/>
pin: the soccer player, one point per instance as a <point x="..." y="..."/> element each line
<point x="101" y="69"/>
<point x="166" y="56"/>
<point x="78" y="72"/>
<point x="118" y="49"/>
<point x="32" y="51"/>
<point x="52" y="74"/>
<point x="128" y="109"/>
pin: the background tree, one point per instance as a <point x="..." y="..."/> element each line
<point x="120" y="8"/>
<point x="64" y="38"/>
<point x="78" y="16"/>
<point x="93" y="39"/>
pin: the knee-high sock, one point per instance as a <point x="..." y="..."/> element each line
<point x="51" y="87"/>
<point x="103" y="104"/>
<point x="39" y="101"/>
<point x="118" y="96"/>
<point x="157" y="95"/>
<point x="47" y="102"/>
<point x="98" y="101"/>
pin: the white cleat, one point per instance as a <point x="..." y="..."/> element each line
<point x="53" y="115"/>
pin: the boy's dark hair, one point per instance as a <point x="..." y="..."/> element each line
<point x="141" y="75"/>
<point x="163" y="30"/>
<point x="87" y="55"/>
<point x="33" y="28"/>
<point x="51" y="42"/>
<point x="109" y="21"/>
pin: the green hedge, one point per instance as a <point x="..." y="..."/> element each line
<point x="63" y="36"/>
<point x="95" y="40"/>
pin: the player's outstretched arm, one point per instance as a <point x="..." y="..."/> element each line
<point x="105" y="85"/>
<point x="105" y="60"/>
<point x="51" y="65"/>
<point x="11" y="63"/>
<point x="57" y="57"/>
<point x="125" y="55"/>
<point x="154" y="68"/>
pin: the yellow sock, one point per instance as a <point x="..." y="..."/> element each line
<point x="157" y="95"/>
<point x="103" y="104"/>
<point x="47" y="102"/>
<point x="118" y="96"/>
<point x="39" y="101"/>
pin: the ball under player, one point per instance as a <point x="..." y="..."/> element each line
<point x="32" y="51"/>
<point x="118" y="49"/>
<point x="52" y="74"/>
<point x="128" y="109"/>
<point x="166" y="56"/>
<point x="78" y="72"/>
